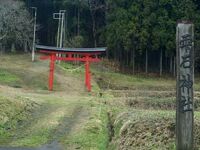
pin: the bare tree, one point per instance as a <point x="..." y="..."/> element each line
<point x="15" y="24"/>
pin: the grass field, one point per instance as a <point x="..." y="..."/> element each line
<point x="143" y="111"/>
<point x="31" y="116"/>
<point x="122" y="112"/>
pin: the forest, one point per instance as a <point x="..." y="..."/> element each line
<point x="99" y="74"/>
<point x="140" y="34"/>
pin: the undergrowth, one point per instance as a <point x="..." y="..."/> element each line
<point x="13" y="112"/>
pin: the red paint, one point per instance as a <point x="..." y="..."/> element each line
<point x="84" y="57"/>
<point x="87" y="74"/>
<point x="44" y="57"/>
<point x="51" y="71"/>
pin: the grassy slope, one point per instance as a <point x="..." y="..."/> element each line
<point x="32" y="116"/>
<point x="138" y="106"/>
<point x="143" y="111"/>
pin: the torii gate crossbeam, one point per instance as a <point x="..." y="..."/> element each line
<point x="86" y="55"/>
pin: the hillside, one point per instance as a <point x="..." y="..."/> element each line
<point x="122" y="112"/>
<point x="31" y="116"/>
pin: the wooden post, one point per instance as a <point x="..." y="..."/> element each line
<point x="185" y="80"/>
<point x="89" y="78"/>
<point x="51" y="71"/>
<point x="87" y="74"/>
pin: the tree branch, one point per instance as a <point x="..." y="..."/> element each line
<point x="1" y="38"/>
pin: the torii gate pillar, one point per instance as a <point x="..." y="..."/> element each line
<point x="51" y="71"/>
<point x="87" y="75"/>
<point x="87" y="55"/>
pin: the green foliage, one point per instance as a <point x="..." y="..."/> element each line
<point x="146" y="25"/>
<point x="126" y="27"/>
<point x="76" y="41"/>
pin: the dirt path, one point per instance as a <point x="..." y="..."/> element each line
<point x="60" y="112"/>
<point x="52" y="146"/>
<point x="64" y="129"/>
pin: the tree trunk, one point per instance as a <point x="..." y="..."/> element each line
<point x="146" y="62"/>
<point x="3" y="49"/>
<point x="115" y="54"/>
<point x="174" y="66"/>
<point x="133" y="57"/>
<point x="13" y="47"/>
<point x="166" y="62"/>
<point x="25" y="47"/>
<point x="119" y="54"/>
<point x="94" y="31"/>
<point x="120" y="59"/>
<point x="78" y="20"/>
<point x="161" y="56"/>
<point x="107" y="54"/>
<point x="127" y="58"/>
<point x="171" y="64"/>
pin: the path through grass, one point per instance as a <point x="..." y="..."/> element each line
<point x="68" y="117"/>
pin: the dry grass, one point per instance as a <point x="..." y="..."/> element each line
<point x="53" y="116"/>
<point x="143" y="111"/>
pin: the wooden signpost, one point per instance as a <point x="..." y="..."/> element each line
<point x="185" y="80"/>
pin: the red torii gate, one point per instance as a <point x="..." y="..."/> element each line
<point x="87" y="55"/>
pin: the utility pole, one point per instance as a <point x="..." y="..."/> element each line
<point x="78" y="19"/>
<point x="60" y="16"/>
<point x="62" y="12"/>
<point x="58" y="34"/>
<point x="34" y="33"/>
